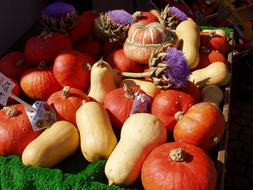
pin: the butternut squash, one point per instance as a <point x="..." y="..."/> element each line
<point x="218" y="32"/>
<point x="102" y="80"/>
<point x="97" y="138"/>
<point x="140" y="134"/>
<point x="147" y="86"/>
<point x="188" y="31"/>
<point x="212" y="93"/>
<point x="52" y="146"/>
<point x="215" y="73"/>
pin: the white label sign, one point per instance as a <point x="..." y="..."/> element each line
<point x="6" y="86"/>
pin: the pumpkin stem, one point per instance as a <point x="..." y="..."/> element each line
<point x="128" y="92"/>
<point x="178" y="155"/>
<point x="10" y="111"/>
<point x="20" y="62"/>
<point x="139" y="75"/>
<point x="216" y="140"/>
<point x="87" y="66"/>
<point x="179" y="115"/>
<point x="42" y="65"/>
<point x="65" y="92"/>
<point x="204" y="49"/>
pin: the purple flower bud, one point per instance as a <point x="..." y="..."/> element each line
<point x="120" y="17"/>
<point x="177" y="68"/>
<point x="58" y="10"/>
<point x="178" y="13"/>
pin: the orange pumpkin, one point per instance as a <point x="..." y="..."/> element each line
<point x="178" y="165"/>
<point x="202" y="125"/>
<point x="143" y="39"/>
<point x="72" y="68"/>
<point x="66" y="102"/>
<point x="15" y="130"/>
<point x="212" y="41"/>
<point x="13" y="64"/>
<point x="168" y="104"/>
<point x="39" y="84"/>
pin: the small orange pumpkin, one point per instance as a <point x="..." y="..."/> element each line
<point x="202" y="125"/>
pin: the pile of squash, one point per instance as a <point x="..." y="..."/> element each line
<point x="80" y="74"/>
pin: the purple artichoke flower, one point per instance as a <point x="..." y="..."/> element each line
<point x="120" y="17"/>
<point x="177" y="70"/>
<point x="58" y="10"/>
<point x="178" y="13"/>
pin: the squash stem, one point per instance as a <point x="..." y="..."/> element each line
<point x="138" y="75"/>
<point x="128" y="92"/>
<point x="65" y="92"/>
<point x="178" y="155"/>
<point x="179" y="115"/>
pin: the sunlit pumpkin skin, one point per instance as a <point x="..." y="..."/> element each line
<point x="72" y="68"/>
<point x="118" y="103"/>
<point x="45" y="47"/>
<point x="196" y="171"/>
<point x="206" y="58"/>
<point x="39" y="84"/>
<point x="118" y="60"/>
<point x="167" y="104"/>
<point x="13" y="64"/>
<point x="143" y="39"/>
<point x="66" y="102"/>
<point x="83" y="27"/>
<point x="202" y="125"/>
<point x="15" y="131"/>
<point x="213" y="42"/>
<point x="89" y="46"/>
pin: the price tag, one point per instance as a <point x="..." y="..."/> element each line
<point x="42" y="116"/>
<point x="142" y="103"/>
<point x="6" y="86"/>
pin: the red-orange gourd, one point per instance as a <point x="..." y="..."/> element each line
<point x="178" y="166"/>
<point x="72" y="68"/>
<point x="45" y="47"/>
<point x="118" y="103"/>
<point x="168" y="104"/>
<point x="202" y="125"/>
<point x="13" y="64"/>
<point x="117" y="59"/>
<point x="66" y="102"/>
<point x="39" y="84"/>
<point x="15" y="130"/>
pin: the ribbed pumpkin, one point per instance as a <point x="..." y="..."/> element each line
<point x="178" y="166"/>
<point x="143" y="39"/>
<point x="15" y="130"/>
<point x="66" y="102"/>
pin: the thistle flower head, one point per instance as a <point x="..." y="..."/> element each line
<point x="177" y="70"/>
<point x="57" y="10"/>
<point x="178" y="13"/>
<point x="120" y="17"/>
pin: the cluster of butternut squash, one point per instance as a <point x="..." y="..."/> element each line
<point x="126" y="146"/>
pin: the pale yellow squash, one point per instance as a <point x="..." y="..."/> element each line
<point x="147" y="86"/>
<point x="188" y="31"/>
<point x="215" y="73"/>
<point x="212" y="93"/>
<point x="52" y="146"/>
<point x="140" y="134"/>
<point x="97" y="138"/>
<point x="101" y="80"/>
